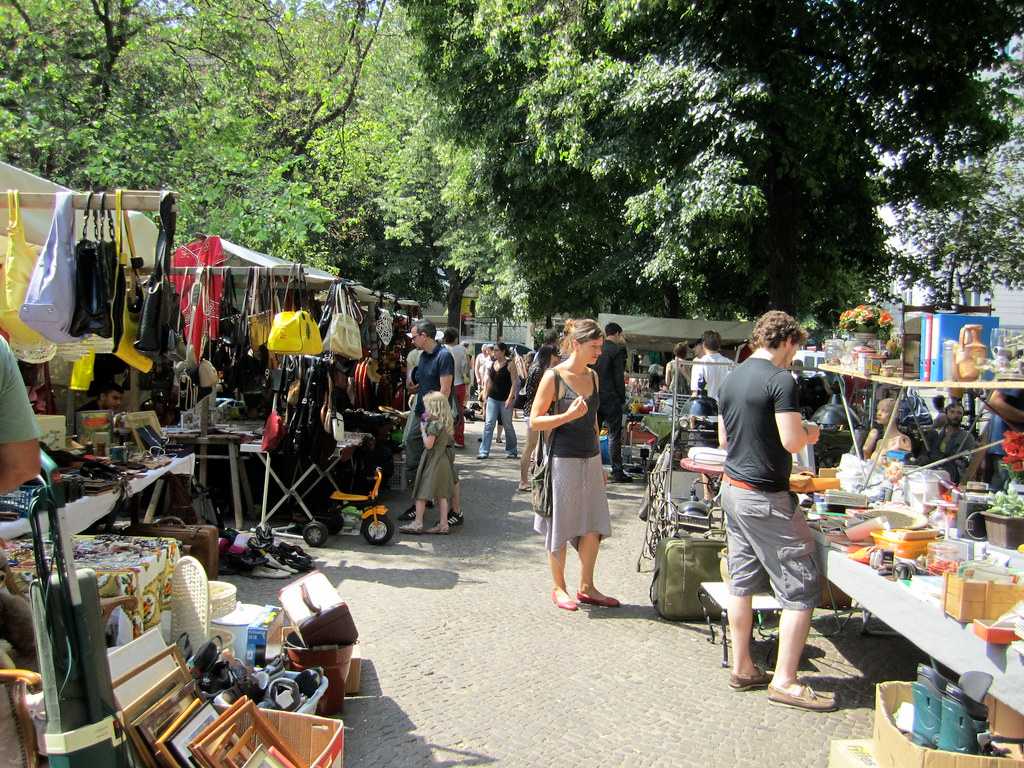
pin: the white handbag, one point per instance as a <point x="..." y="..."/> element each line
<point x="50" y="299"/>
<point x="343" y="336"/>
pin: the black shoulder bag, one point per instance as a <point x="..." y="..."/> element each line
<point x="540" y="480"/>
<point x="159" y="303"/>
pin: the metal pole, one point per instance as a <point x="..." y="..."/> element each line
<point x="849" y="416"/>
<point x="675" y="418"/>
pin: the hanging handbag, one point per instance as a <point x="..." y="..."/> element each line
<point x="294" y="332"/>
<point x="127" y="304"/>
<point x="92" y="292"/>
<point x="160" y="304"/>
<point x="273" y="430"/>
<point x="82" y="372"/>
<point x="540" y="481"/>
<point x="260" y="314"/>
<point x="50" y="299"/>
<point x="18" y="265"/>
<point x="230" y="315"/>
<point x="343" y="336"/>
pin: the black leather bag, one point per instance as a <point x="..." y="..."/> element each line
<point x="229" y="323"/>
<point x="93" y="287"/>
<point x="160" y="302"/>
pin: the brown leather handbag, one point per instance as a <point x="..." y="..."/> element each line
<point x="329" y="626"/>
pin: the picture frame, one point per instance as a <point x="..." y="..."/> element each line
<point x="204" y="716"/>
<point x="150" y="724"/>
<point x="166" y="687"/>
<point x="164" y="755"/>
<point x="140" y="681"/>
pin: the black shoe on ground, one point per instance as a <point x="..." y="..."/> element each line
<point x="454" y="519"/>
<point x="622" y="477"/>
<point x="409" y="514"/>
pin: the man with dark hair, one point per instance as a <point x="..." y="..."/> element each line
<point x="435" y="372"/>
<point x="611" y="378"/>
<point x="769" y="539"/>
<point x="712" y="366"/>
<point x="108" y="397"/>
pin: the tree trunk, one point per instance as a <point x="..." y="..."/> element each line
<point x="782" y="254"/>
<point x="454" y="303"/>
<point x="499" y="329"/>
<point x="670" y="299"/>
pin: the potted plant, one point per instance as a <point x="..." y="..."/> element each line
<point x="866" y="322"/>
<point x="1004" y="520"/>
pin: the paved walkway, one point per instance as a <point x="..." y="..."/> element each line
<point x="469" y="663"/>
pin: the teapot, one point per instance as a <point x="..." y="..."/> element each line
<point x="971" y="353"/>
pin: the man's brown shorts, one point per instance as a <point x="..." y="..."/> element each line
<point x="770" y="543"/>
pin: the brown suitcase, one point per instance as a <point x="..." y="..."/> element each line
<point x="199" y="541"/>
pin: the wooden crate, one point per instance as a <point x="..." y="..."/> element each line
<point x="969" y="600"/>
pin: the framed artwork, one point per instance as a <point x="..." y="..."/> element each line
<point x="201" y="718"/>
<point x="154" y="721"/>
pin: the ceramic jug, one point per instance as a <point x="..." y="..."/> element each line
<point x="971" y="352"/>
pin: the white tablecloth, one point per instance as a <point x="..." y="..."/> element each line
<point x="925" y="625"/>
<point x="80" y="514"/>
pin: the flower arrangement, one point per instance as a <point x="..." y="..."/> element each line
<point x="1013" y="444"/>
<point x="867" y="318"/>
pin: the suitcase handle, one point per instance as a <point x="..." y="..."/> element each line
<point x="170" y="521"/>
<point x="307" y="599"/>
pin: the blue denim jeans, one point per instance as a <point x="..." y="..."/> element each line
<point x="496" y="410"/>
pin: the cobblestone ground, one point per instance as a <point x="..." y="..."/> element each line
<point x="468" y="663"/>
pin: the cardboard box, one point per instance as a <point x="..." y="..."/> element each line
<point x="969" y="600"/>
<point x="893" y="749"/>
<point x="1008" y="723"/>
<point x="260" y="634"/>
<point x="355" y="671"/>
<point x="851" y="753"/>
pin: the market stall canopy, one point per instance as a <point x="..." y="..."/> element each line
<point x="242" y="257"/>
<point x="660" y="334"/>
<point x="37" y="220"/>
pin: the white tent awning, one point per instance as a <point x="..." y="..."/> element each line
<point x="37" y="220"/>
<point x="661" y="334"/>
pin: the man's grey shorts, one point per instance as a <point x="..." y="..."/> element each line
<point x="770" y="543"/>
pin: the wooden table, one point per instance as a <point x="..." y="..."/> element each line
<point x="231" y="441"/>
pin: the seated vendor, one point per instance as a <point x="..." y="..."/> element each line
<point x="108" y="397"/>
<point x="948" y="441"/>
<point x="883" y="412"/>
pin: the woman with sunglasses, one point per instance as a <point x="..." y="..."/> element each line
<point x="565" y="408"/>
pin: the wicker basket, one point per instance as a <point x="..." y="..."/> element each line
<point x="190" y="606"/>
<point x="223" y="599"/>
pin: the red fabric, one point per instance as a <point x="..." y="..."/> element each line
<point x="460" y="417"/>
<point x="206" y="252"/>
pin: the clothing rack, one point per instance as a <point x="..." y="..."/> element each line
<point x="131" y="200"/>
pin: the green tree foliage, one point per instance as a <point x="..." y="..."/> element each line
<point x="730" y="153"/>
<point x="297" y="128"/>
<point x="973" y="238"/>
<point x="973" y="241"/>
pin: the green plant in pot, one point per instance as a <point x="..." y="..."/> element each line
<point x="1004" y="520"/>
